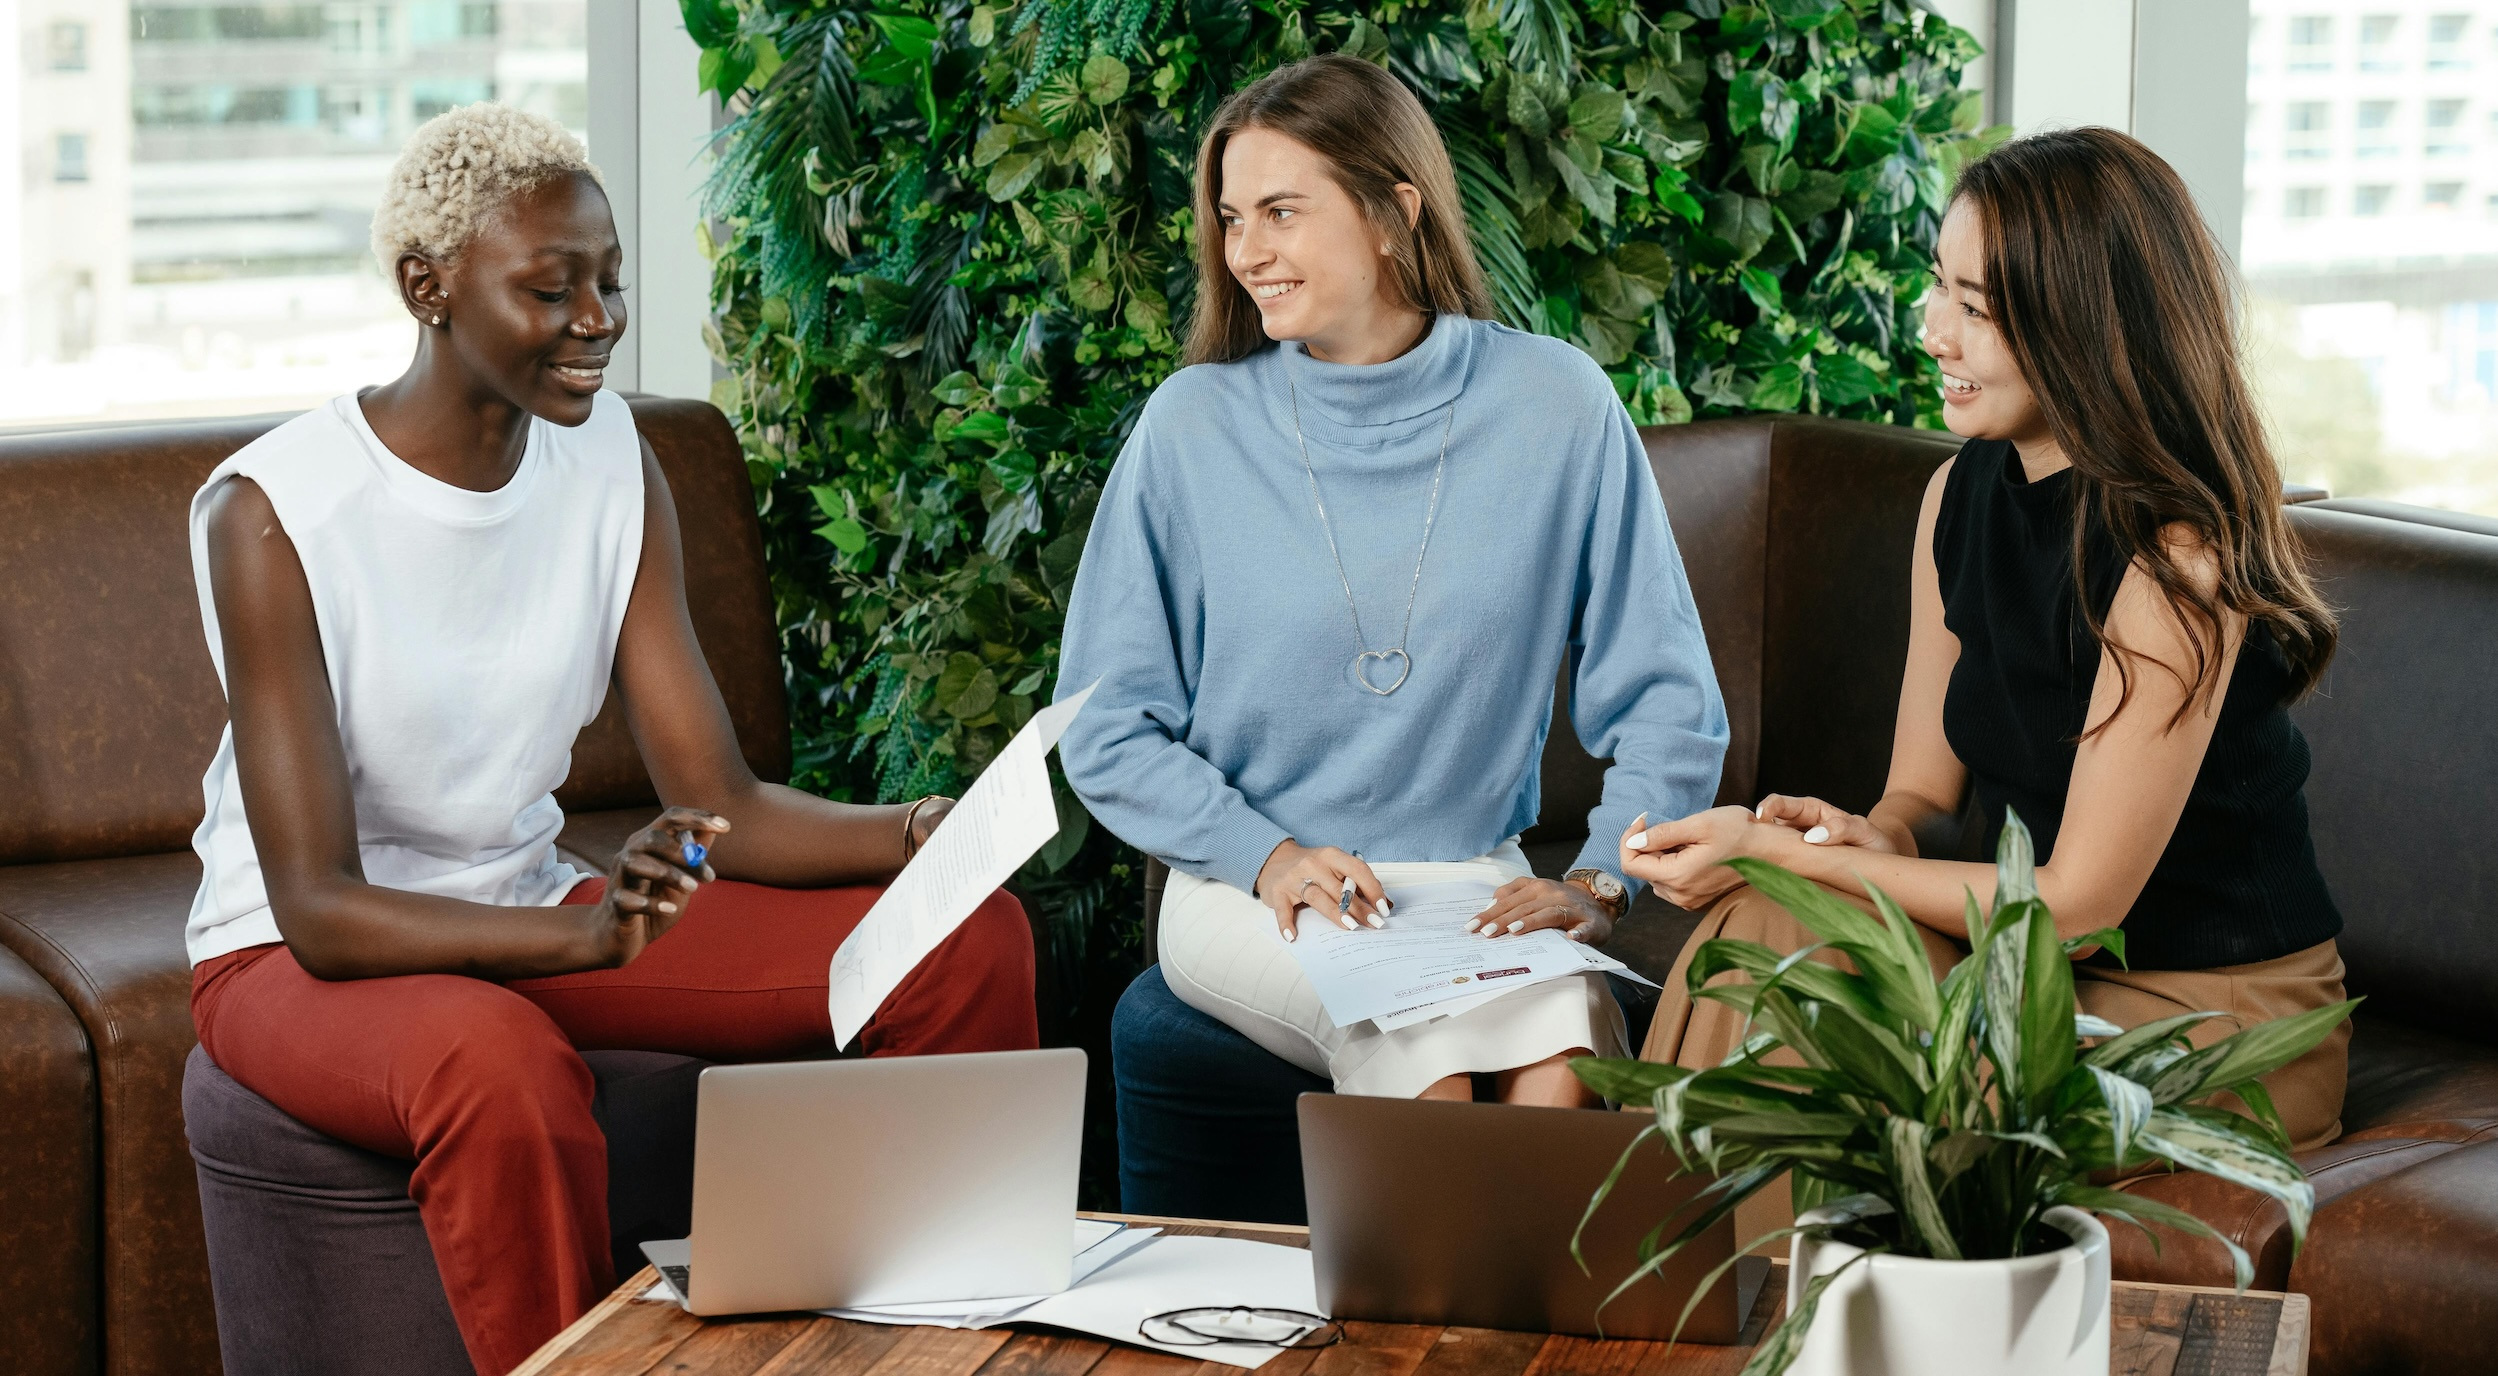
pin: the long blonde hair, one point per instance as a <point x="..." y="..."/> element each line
<point x="1373" y="134"/>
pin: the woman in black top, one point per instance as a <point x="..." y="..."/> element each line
<point x="2110" y="616"/>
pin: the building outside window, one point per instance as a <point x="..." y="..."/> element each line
<point x="2443" y="126"/>
<point x="2446" y="33"/>
<point x="65" y="46"/>
<point x="2311" y="43"/>
<point x="2371" y="262"/>
<point x="69" y="157"/>
<point x="2373" y="130"/>
<point x="2310" y="130"/>
<point x="215" y="259"/>
<point x="2376" y="43"/>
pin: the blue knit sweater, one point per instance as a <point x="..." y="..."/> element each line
<point x="1229" y="716"/>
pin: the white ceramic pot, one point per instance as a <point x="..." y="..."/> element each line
<point x="2045" y="1315"/>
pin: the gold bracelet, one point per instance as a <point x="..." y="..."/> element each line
<point x="910" y="829"/>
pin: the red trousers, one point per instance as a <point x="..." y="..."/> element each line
<point x="480" y="1084"/>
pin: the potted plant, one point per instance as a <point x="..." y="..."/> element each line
<point x="1948" y="1141"/>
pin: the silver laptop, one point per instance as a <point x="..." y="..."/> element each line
<point x="1460" y="1215"/>
<point x="900" y="1180"/>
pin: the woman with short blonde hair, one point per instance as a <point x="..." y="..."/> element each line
<point x="1332" y="579"/>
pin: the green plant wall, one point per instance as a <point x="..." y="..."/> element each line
<point x="954" y="255"/>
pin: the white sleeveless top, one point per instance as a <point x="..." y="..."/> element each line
<point x="469" y="637"/>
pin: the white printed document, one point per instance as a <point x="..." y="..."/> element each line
<point x="1424" y="963"/>
<point x="1127" y="1277"/>
<point x="1004" y="817"/>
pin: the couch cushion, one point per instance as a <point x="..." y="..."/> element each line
<point x="48" y="1324"/>
<point x="2408" y="1081"/>
<point x="107" y="934"/>
<point x="2405" y="1272"/>
<point x="109" y="707"/>
<point x="2400" y="730"/>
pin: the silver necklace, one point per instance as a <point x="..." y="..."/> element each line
<point x="1369" y="658"/>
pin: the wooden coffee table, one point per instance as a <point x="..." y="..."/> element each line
<point x="2159" y="1330"/>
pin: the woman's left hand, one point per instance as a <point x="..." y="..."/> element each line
<point x="1684" y="861"/>
<point x="1531" y="905"/>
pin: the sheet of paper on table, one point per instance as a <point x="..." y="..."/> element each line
<point x="1424" y="964"/>
<point x="1122" y="1282"/>
<point x="1097" y="1244"/>
<point x="1004" y="817"/>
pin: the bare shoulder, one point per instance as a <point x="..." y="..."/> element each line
<point x="242" y="522"/>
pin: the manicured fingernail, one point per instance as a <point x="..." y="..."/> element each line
<point x="1349" y="924"/>
<point x="1816" y="836"/>
<point x="667" y="907"/>
<point x="1473" y="922"/>
<point x="1518" y="926"/>
<point x="1387" y="906"/>
<point x="1290" y="934"/>
<point x="1377" y="921"/>
<point x="1760" y="810"/>
<point x="1638" y="841"/>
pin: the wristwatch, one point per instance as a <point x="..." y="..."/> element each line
<point x="1608" y="890"/>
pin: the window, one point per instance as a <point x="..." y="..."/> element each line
<point x="2304" y="202"/>
<point x="243" y="147"/>
<point x="2441" y="197"/>
<point x="2375" y="130"/>
<point x="223" y="23"/>
<point x="2310" y="129"/>
<point x="2446" y="41"/>
<point x="69" y="157"/>
<point x="65" y="46"/>
<point x="2311" y="43"/>
<point x="2444" y="128"/>
<point x="2371" y="200"/>
<point x="2376" y="43"/>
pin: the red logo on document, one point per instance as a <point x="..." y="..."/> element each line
<point x="1499" y="974"/>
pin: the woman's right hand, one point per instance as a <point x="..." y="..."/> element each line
<point x="1295" y="875"/>
<point x="650" y="884"/>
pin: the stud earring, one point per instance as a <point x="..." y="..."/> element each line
<point x="437" y="319"/>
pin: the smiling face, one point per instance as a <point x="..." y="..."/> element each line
<point x="1984" y="395"/>
<point x="1307" y="255"/>
<point x="532" y="305"/>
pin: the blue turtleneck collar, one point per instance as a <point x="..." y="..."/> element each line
<point x="1417" y="382"/>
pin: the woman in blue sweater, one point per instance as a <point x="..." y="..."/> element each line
<point x="1331" y="581"/>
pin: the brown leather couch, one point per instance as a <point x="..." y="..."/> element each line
<point x="109" y="712"/>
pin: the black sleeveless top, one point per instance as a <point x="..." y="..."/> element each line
<point x="2237" y="882"/>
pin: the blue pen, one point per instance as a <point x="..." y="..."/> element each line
<point x="694" y="853"/>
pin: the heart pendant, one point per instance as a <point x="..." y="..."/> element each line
<point x="1361" y="669"/>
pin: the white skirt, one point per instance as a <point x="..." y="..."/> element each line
<point x="1222" y="957"/>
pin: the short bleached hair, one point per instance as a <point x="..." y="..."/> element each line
<point x="459" y="169"/>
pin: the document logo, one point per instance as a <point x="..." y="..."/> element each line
<point x="1498" y="974"/>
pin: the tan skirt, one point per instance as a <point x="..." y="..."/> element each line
<point x="2308" y="1091"/>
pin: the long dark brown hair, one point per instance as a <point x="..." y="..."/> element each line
<point x="1373" y="134"/>
<point x="2120" y="310"/>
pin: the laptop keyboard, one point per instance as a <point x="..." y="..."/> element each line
<point x="682" y="1277"/>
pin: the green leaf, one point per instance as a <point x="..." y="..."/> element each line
<point x="2266" y="1047"/>
<point x="1091" y="290"/>
<point x="1845" y="382"/>
<point x="2142" y="1212"/>
<point x="1597" y="113"/>
<point x="2016" y="872"/>
<point x="994" y="143"/>
<point x="847" y="535"/>
<point x="981" y="28"/>
<point x="1105" y="79"/>
<point x="1785" y="1343"/>
<point x="909" y="34"/>
<point x="2115" y="1053"/>
<point x="2241" y="1157"/>
<point x="1074" y="824"/>
<point x="1012" y="174"/>
<point x="1741" y="223"/>
<point x="1905" y="1140"/>
<point x="2129" y="1108"/>
<point x="1366" y="41"/>
<point x="2046" y="1013"/>
<point x="967" y="689"/>
<point x="1762" y="286"/>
